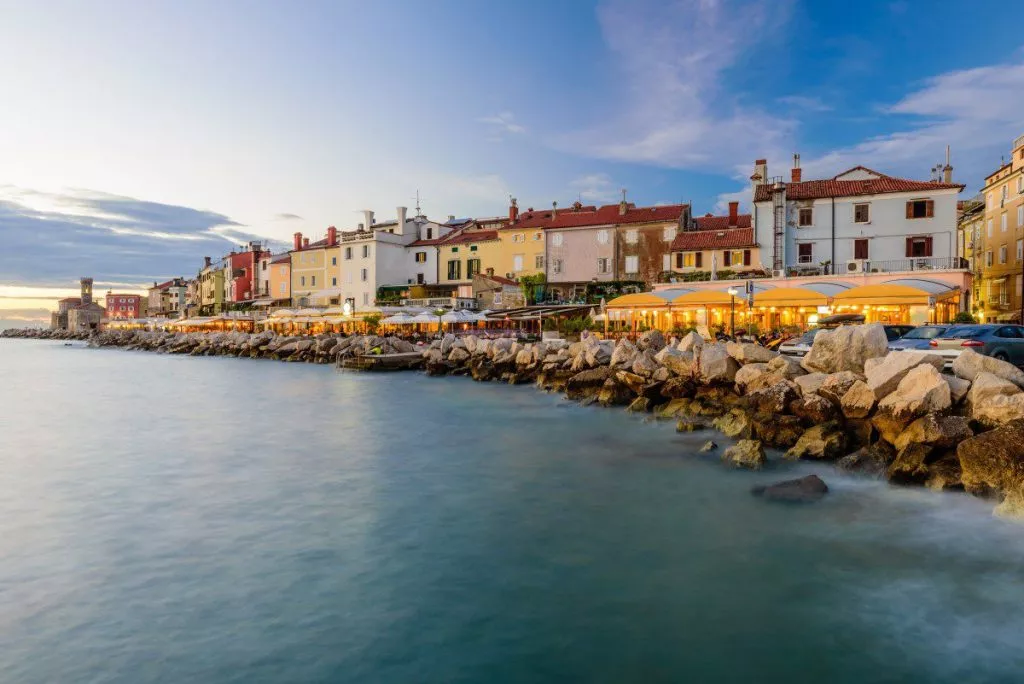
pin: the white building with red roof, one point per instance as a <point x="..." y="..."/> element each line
<point x="858" y="221"/>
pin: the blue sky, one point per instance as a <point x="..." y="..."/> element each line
<point x="139" y="137"/>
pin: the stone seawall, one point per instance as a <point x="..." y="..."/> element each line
<point x="891" y="415"/>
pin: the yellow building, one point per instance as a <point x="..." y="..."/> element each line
<point x="211" y="288"/>
<point x="725" y="244"/>
<point x="280" y="276"/>
<point x="475" y="248"/>
<point x="1001" y="251"/>
<point x="521" y="243"/>
<point x="314" y="271"/>
<point x="970" y="223"/>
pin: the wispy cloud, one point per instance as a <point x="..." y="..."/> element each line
<point x="287" y="217"/>
<point x="501" y="124"/>
<point x="53" y="238"/>
<point x="595" y="187"/>
<point x="673" y="58"/>
<point x="805" y="103"/>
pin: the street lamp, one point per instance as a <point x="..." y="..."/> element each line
<point x="732" y="314"/>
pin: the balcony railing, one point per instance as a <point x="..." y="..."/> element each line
<point x="1000" y="301"/>
<point x="442" y="303"/>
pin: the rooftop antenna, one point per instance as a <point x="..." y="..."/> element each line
<point x="623" y="194"/>
<point x="417" y="198"/>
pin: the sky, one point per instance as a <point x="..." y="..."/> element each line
<point x="138" y="138"/>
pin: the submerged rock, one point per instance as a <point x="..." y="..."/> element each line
<point x="872" y="460"/>
<point x="708" y="446"/>
<point x="825" y="441"/>
<point x="802" y="490"/>
<point x="746" y="453"/>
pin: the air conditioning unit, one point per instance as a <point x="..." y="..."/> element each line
<point x="779" y="273"/>
<point x="857" y="266"/>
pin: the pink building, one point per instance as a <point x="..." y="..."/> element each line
<point x="124" y="306"/>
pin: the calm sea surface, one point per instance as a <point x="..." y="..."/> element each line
<point x="175" y="519"/>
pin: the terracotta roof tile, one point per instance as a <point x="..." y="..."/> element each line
<point x="462" y="237"/>
<point x="721" y="222"/>
<point x="691" y="240"/>
<point x="597" y="216"/>
<point x="818" y="189"/>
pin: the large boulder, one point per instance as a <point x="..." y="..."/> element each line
<point x="587" y="383"/>
<point x="802" y="490"/>
<point x="735" y="423"/>
<point x="935" y="431"/>
<point x="845" y="348"/>
<point x="746" y="453"/>
<point x="615" y="393"/>
<point x="677" y="362"/>
<point x="777" y="431"/>
<point x="958" y="388"/>
<point x="810" y="383"/>
<point x="634" y="382"/>
<point x="786" y="366"/>
<point x="716" y="365"/>
<point x="836" y="386"/>
<point x="749" y="374"/>
<point x="644" y="364"/>
<point x="884" y="377"/>
<point x="814" y="410"/>
<point x="690" y="342"/>
<point x="447" y="342"/>
<point x="969" y="364"/>
<point x="858" y="401"/>
<point x="652" y="339"/>
<point x="945" y="473"/>
<point x="748" y="352"/>
<point x="921" y="391"/>
<point x="827" y="441"/>
<point x="458" y="355"/>
<point x="993" y="462"/>
<point x="910" y="467"/>
<point x="871" y="460"/>
<point x="774" y="399"/>
<point x="993" y="401"/>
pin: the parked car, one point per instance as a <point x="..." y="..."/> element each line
<point x="918" y="338"/>
<point x="895" y="332"/>
<point x="1000" y="341"/>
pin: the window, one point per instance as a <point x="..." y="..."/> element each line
<point x="733" y="257"/>
<point x="990" y="227"/>
<point x="1020" y="179"/>
<point x="805" y="252"/>
<point x="632" y="263"/>
<point x="283" y="271"/>
<point x="537" y="237"/>
<point x="689" y="259"/>
<point x="988" y="258"/>
<point x="1020" y="216"/>
<point x="472" y="248"/>
<point x="455" y="250"/>
<point x="348" y="252"/>
<point x="312" y="281"/>
<point x="1005" y="192"/>
<point x="666" y="262"/>
<point x="805" y="217"/>
<point x="302" y="281"/>
<point x="334" y="282"/>
<point x="517" y="262"/>
<point x="430" y="233"/>
<point x="362" y="274"/>
<point x="918" y="209"/>
<point x="556" y="266"/>
<point x="602" y="237"/>
<point x="334" y="261"/>
<point x="919" y="246"/>
<point x="538" y="261"/>
<point x="472" y="267"/>
<point x="421" y="257"/>
<point x="366" y="251"/>
<point x="602" y="265"/>
<point x="263" y="265"/>
<point x="556" y="239"/>
<point x="454" y="269"/>
<point x="1020" y="250"/>
<point x="860" y="249"/>
<point x="631" y="238"/>
<point x="669" y="233"/>
<point x="366" y="299"/>
<point x="1002" y="254"/>
<point x="1002" y="222"/>
<point x="989" y="201"/>
<point x="419" y="279"/>
<point x="861" y="213"/>
<point x="282" y="289"/>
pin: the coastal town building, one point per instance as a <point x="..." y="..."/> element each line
<point x="857" y="221"/>
<point x="472" y="248"/>
<point x="166" y="299"/>
<point x="644" y="237"/>
<point x="1002" y="243"/>
<point x="242" y="274"/>
<point x="496" y="292"/>
<point x="124" y="306"/>
<point x="521" y="243"/>
<point x="279" y="269"/>
<point x="210" y="288"/>
<point x="59" y="318"/>
<point x="717" y="247"/>
<point x="970" y="244"/>
<point x="86" y="315"/>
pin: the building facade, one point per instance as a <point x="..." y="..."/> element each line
<point x="87" y="315"/>
<point x="643" y="240"/>
<point x="210" y="288"/>
<point x="167" y="299"/>
<point x="857" y="221"/>
<point x="279" y="279"/>
<point x="721" y="246"/>
<point x="242" y="276"/>
<point x="471" y="248"/>
<point x="1001" y="245"/>
<point x="124" y="306"/>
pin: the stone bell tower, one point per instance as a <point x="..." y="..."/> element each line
<point x="86" y="291"/>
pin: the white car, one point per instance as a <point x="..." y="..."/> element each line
<point x="799" y="346"/>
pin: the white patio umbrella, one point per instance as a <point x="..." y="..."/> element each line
<point x="398" y="319"/>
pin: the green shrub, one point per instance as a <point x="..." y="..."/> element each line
<point x="964" y="317"/>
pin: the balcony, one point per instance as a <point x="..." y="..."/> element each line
<point x="442" y="303"/>
<point x="999" y="301"/>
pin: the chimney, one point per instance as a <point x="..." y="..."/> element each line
<point x="332" y="236"/>
<point x="297" y="241"/>
<point x="734" y="213"/>
<point x="305" y="243"/>
<point x="622" y="205"/>
<point x="554" y="210"/>
<point x="368" y="219"/>
<point x="947" y="170"/>
<point x="797" y="173"/>
<point x="760" y="175"/>
<point x="513" y="211"/>
<point x="207" y="262"/>
<point x="401" y="211"/>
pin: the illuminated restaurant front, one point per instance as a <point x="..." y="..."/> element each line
<point x="772" y="307"/>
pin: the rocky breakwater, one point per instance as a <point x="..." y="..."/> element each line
<point x="321" y="349"/>
<point x="891" y="415"/>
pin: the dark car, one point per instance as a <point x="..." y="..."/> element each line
<point x="919" y="337"/>
<point x="895" y="332"/>
<point x="998" y="340"/>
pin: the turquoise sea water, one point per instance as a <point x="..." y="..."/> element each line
<point x="175" y="519"/>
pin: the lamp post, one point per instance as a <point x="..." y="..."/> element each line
<point x="732" y="314"/>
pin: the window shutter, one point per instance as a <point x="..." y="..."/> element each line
<point x="679" y="259"/>
<point x="928" y="241"/>
<point x="910" y="215"/>
<point x="727" y="258"/>
<point x="929" y="211"/>
<point x="697" y="259"/>
<point x="746" y="257"/>
<point x="910" y="241"/>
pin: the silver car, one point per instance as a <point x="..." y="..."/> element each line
<point x="998" y="340"/>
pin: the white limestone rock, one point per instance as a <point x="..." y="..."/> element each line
<point x="846" y="348"/>
<point x="921" y="391"/>
<point x="690" y="341"/>
<point x="970" y="363"/>
<point x="886" y="374"/>
<point x="858" y="401"/>
<point x="810" y="383"/>
<point x="716" y="365"/>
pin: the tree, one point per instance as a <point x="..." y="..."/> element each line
<point x="964" y="317"/>
<point x="372" y="322"/>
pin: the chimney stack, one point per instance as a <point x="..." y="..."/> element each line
<point x="513" y="211"/>
<point x="797" y="172"/>
<point x="207" y="262"/>
<point x="297" y="241"/>
<point x="760" y="175"/>
<point x="734" y="213"/>
<point x="401" y="211"/>
<point x="622" y="205"/>
<point x="305" y="243"/>
<point x="332" y="236"/>
<point x="554" y="210"/>
<point x="947" y="170"/>
<point x="368" y="219"/>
